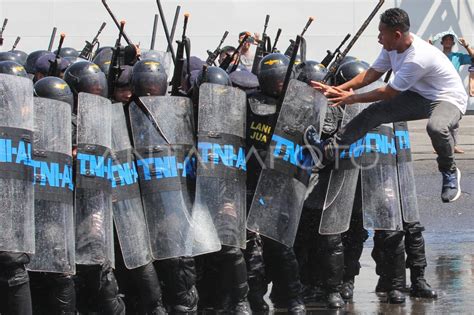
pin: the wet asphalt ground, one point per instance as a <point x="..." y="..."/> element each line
<point x="449" y="238"/>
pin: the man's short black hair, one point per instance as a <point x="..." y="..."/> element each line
<point x="396" y="18"/>
<point x="242" y="34"/>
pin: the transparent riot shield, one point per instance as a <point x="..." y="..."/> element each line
<point x="379" y="180"/>
<point x="94" y="229"/>
<point x="163" y="144"/>
<point x="278" y="200"/>
<point x="16" y="175"/>
<point x="340" y="194"/>
<point x="220" y="184"/>
<point x="406" y="175"/>
<point x="129" y="218"/>
<point x="54" y="188"/>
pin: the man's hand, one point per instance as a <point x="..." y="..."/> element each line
<point x="463" y="42"/>
<point x="334" y="94"/>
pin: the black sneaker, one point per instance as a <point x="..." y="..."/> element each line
<point x="451" y="186"/>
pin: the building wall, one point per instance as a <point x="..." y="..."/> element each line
<point x="33" y="20"/>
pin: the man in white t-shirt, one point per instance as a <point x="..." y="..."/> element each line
<point x="425" y="85"/>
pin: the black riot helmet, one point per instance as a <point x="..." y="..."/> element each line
<point x="9" y="56"/>
<point x="149" y="78"/>
<point x="54" y="88"/>
<point x="31" y="60"/>
<point x="272" y="72"/>
<point x="311" y="70"/>
<point x="103" y="59"/>
<point x="214" y="75"/>
<point x="22" y="56"/>
<point x="152" y="55"/>
<point x="44" y="62"/>
<point x="13" y="68"/>
<point x="102" y="48"/>
<point x="347" y="59"/>
<point x="348" y="70"/>
<point x="67" y="52"/>
<point x="207" y="74"/>
<point x="85" y="76"/>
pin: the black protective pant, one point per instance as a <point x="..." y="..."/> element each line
<point x="269" y="261"/>
<point x="140" y="286"/>
<point x="15" y="296"/>
<point x="389" y="256"/>
<point x="332" y="261"/>
<point x="307" y="248"/>
<point x="222" y="278"/>
<point x="256" y="277"/>
<point x="414" y="245"/>
<point x="97" y="290"/>
<point x="338" y="255"/>
<point x="281" y="267"/>
<point x="53" y="293"/>
<point x="178" y="277"/>
<point x="353" y="240"/>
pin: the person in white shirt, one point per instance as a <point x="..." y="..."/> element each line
<point x="247" y="54"/>
<point x="425" y="85"/>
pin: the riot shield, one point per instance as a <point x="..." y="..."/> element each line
<point x="128" y="214"/>
<point x="165" y="170"/>
<point x="16" y="176"/>
<point x="343" y="179"/>
<point x="54" y="188"/>
<point x="379" y="180"/>
<point x="406" y="176"/>
<point x="278" y="200"/>
<point x="220" y="184"/>
<point x="94" y="229"/>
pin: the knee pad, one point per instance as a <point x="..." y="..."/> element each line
<point x="413" y="228"/>
<point x="13" y="274"/>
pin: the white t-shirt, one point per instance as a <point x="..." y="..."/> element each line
<point x="423" y="69"/>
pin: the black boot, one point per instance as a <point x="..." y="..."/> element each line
<point x="253" y="255"/>
<point x="347" y="289"/>
<point x="419" y="286"/>
<point x="240" y="308"/>
<point x="179" y="278"/>
<point x="396" y="265"/>
<point x="335" y="300"/>
<point x="396" y="297"/>
<point x="313" y="294"/>
<point x="296" y="307"/>
<point x="378" y="254"/>
<point x="186" y="302"/>
<point x="383" y="286"/>
<point x="158" y="310"/>
<point x="255" y="296"/>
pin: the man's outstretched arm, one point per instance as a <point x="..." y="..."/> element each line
<point x="338" y="96"/>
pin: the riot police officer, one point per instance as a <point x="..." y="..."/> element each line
<point x="266" y="259"/>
